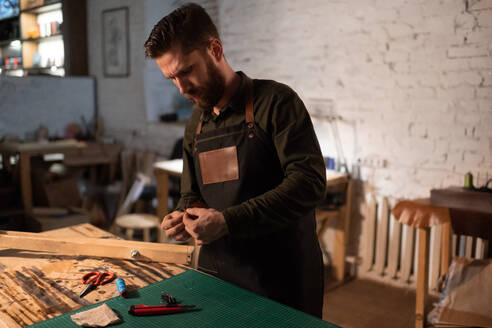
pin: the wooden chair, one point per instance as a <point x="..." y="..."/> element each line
<point x="404" y="256"/>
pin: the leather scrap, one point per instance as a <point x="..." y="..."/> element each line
<point x="100" y="316"/>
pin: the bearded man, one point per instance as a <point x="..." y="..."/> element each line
<point x="252" y="168"/>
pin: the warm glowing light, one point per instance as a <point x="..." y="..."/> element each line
<point x="15" y="44"/>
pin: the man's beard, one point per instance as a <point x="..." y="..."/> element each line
<point x="211" y="93"/>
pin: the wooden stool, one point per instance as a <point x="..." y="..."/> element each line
<point x="144" y="222"/>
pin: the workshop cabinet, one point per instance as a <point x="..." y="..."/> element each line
<point x="43" y="37"/>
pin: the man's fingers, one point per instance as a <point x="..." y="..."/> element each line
<point x="195" y="211"/>
<point x="172" y="232"/>
<point x="182" y="236"/>
<point x="171" y="220"/>
<point x="172" y="215"/>
<point x="188" y="218"/>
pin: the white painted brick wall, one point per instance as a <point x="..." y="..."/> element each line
<point x="414" y="78"/>
<point x="411" y="80"/>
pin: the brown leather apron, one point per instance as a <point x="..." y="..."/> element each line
<point x="232" y="165"/>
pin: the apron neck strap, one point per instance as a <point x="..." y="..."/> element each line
<point x="199" y="126"/>
<point x="250" y="116"/>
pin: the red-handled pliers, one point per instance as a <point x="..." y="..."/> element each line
<point x="95" y="279"/>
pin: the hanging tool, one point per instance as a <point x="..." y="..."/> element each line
<point x="95" y="279"/>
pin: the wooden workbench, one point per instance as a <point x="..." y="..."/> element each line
<point x="27" y="150"/>
<point x="36" y="286"/>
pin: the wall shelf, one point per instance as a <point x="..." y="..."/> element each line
<point x="46" y="38"/>
<point x="51" y="6"/>
<point x="40" y="37"/>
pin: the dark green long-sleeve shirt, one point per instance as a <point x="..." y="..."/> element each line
<point x="280" y="112"/>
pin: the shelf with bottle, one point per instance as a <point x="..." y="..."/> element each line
<point x="40" y="25"/>
<point x="57" y="36"/>
<point x="39" y="6"/>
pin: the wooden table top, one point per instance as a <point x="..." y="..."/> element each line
<point x="40" y="147"/>
<point x="35" y="286"/>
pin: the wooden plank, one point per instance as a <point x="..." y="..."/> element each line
<point x="341" y="235"/>
<point x="422" y="277"/>
<point x="121" y="249"/>
<point x="25" y="173"/>
<point x="41" y="147"/>
<point x="446" y="248"/>
<point x="49" y="211"/>
<point x="408" y="254"/>
<point x="382" y="236"/>
<point x="146" y="234"/>
<point x="370" y="231"/>
<point x="454" y="245"/>
<point x="457" y="197"/>
<point x="435" y="255"/>
<point x="469" y="247"/>
<point x="480" y="249"/>
<point x="394" y="249"/>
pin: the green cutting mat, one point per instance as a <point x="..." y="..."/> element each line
<point x="221" y="305"/>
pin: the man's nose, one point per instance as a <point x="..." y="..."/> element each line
<point x="182" y="85"/>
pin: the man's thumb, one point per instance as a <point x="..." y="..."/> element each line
<point x="194" y="211"/>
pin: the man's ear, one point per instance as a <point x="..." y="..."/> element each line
<point x="216" y="50"/>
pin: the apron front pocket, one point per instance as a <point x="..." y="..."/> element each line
<point x="219" y="165"/>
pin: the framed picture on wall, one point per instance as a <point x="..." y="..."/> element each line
<point x="116" y="61"/>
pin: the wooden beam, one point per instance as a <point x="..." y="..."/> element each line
<point x="446" y="247"/>
<point x="85" y="246"/>
<point x="422" y="277"/>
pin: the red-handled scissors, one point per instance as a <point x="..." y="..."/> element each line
<point x="95" y="279"/>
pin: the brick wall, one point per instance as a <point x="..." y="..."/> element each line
<point x="410" y="80"/>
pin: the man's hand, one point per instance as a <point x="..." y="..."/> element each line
<point x="173" y="226"/>
<point x="205" y="225"/>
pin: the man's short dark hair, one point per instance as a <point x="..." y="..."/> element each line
<point x="189" y="26"/>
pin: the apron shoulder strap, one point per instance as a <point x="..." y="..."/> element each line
<point x="199" y="125"/>
<point x="250" y="116"/>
